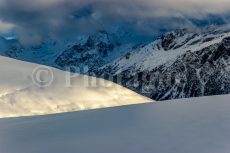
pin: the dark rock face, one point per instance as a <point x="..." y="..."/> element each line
<point x="14" y="51"/>
<point x="168" y="40"/>
<point x="91" y="53"/>
<point x="202" y="73"/>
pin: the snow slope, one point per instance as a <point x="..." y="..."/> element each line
<point x="21" y="94"/>
<point x="180" y="64"/>
<point x="198" y="125"/>
<point x="166" y="49"/>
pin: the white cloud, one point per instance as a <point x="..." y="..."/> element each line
<point x="42" y="17"/>
<point x="5" y="27"/>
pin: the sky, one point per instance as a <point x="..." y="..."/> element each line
<point x="33" y="20"/>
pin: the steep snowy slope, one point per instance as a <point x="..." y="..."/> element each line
<point x="178" y="65"/>
<point x="199" y="125"/>
<point x="168" y="48"/>
<point x="30" y="89"/>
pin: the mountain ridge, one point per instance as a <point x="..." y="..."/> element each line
<point x="183" y="55"/>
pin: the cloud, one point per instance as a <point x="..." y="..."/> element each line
<point x="5" y="27"/>
<point x="36" y="19"/>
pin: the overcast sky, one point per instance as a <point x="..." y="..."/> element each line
<point x="37" y="18"/>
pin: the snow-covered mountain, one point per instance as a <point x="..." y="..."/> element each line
<point x="196" y="125"/>
<point x="99" y="49"/>
<point x="89" y="50"/>
<point x="179" y="64"/>
<point x="29" y="89"/>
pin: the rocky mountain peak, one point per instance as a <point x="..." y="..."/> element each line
<point x="226" y="43"/>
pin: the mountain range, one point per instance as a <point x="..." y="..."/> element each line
<point x="177" y="64"/>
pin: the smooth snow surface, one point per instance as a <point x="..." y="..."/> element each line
<point x="21" y="95"/>
<point x="199" y="125"/>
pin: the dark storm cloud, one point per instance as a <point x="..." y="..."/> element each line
<point x="34" y="19"/>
